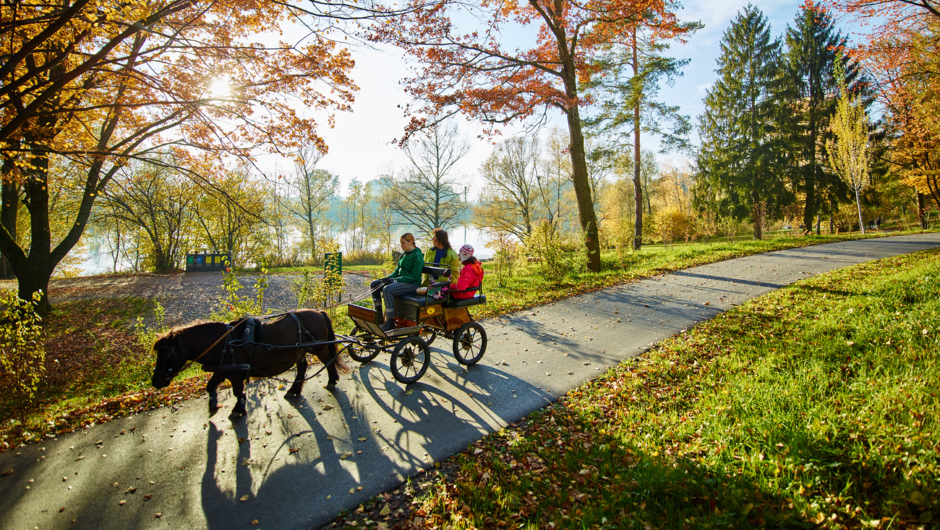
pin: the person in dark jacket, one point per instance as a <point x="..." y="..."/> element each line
<point x="405" y="280"/>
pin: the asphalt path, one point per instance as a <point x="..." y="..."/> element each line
<point x="295" y="464"/>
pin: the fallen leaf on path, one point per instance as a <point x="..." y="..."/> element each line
<point x="122" y="502"/>
<point x="244" y="498"/>
<point x="7" y="473"/>
<point x="293" y="450"/>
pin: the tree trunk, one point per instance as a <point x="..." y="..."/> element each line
<point x="582" y="191"/>
<point x="858" y="204"/>
<point x="637" y="181"/>
<point x="10" y="204"/>
<point x="757" y="214"/>
<point x="921" y="214"/>
<point x="579" y="172"/>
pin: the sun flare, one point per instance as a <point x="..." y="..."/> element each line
<point x="220" y="88"/>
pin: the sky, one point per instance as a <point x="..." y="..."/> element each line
<point x="361" y="144"/>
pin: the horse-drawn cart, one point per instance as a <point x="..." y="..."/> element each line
<point x="419" y="319"/>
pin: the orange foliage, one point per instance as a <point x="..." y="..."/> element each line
<point x="472" y="70"/>
<point x="902" y="57"/>
<point x="475" y="72"/>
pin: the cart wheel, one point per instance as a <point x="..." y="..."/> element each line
<point x="362" y="353"/>
<point x="470" y="343"/>
<point x="428" y="335"/>
<point x="410" y="359"/>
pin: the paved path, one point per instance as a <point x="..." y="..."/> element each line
<point x="298" y="463"/>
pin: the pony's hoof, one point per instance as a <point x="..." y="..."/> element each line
<point x="331" y="385"/>
<point x="236" y="413"/>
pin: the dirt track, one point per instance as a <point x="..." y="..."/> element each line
<point x="184" y="296"/>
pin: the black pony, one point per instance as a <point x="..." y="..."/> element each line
<point x="209" y="344"/>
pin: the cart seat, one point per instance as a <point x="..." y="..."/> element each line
<point x="417" y="300"/>
<point x="476" y="300"/>
<point x="435" y="270"/>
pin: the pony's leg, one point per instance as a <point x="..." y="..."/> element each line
<point x="211" y="387"/>
<point x="299" y="380"/>
<point x="330" y="369"/>
<point x="238" y="389"/>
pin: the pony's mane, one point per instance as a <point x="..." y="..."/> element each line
<point x="170" y="333"/>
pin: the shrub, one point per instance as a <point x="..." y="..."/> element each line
<point x="324" y="291"/>
<point x="232" y="305"/>
<point x="671" y="224"/>
<point x="544" y="245"/>
<point x="506" y="254"/>
<point x="22" y="357"/>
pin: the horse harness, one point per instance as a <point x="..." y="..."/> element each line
<point x="253" y="336"/>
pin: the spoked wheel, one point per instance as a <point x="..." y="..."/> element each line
<point x="362" y="353"/>
<point x="410" y="359"/>
<point x="470" y="343"/>
<point x="428" y="335"/>
<point x="359" y="351"/>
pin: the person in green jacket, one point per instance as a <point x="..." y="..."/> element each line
<point x="405" y="280"/>
<point x="443" y="255"/>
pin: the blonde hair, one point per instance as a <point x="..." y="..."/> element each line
<point x="409" y="237"/>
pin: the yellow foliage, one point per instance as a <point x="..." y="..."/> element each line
<point x="22" y="357"/>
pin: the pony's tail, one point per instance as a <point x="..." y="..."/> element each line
<point x="331" y="336"/>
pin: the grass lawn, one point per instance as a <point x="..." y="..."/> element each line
<point x="813" y="406"/>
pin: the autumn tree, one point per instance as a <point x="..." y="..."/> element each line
<point x="100" y="85"/>
<point x="901" y="55"/>
<point x="554" y="179"/>
<point x="230" y="212"/>
<point x="428" y="193"/>
<point x="355" y="218"/>
<point x="311" y="189"/>
<point x="156" y="201"/>
<point x="741" y="151"/>
<point x="850" y="156"/>
<point x="510" y="201"/>
<point x="471" y="71"/>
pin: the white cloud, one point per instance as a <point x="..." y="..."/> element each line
<point x="701" y="89"/>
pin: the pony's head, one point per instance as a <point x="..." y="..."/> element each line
<point x="169" y="359"/>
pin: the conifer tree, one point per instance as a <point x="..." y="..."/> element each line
<point x="627" y="87"/>
<point x="811" y="90"/>
<point x="741" y="153"/>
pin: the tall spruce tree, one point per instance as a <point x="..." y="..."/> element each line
<point x="812" y="90"/>
<point x="741" y="153"/>
<point x="627" y="90"/>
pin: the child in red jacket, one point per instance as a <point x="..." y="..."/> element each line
<point x="471" y="274"/>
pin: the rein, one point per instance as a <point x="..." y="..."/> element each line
<point x="214" y="344"/>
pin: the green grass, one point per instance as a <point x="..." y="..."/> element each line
<point x="813" y="406"/>
<point x="528" y="285"/>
